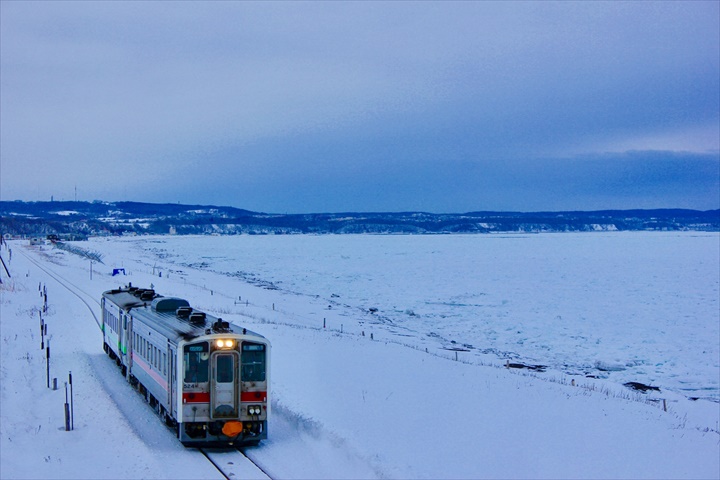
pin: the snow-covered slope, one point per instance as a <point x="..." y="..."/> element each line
<point x="346" y="404"/>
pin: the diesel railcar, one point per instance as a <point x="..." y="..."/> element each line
<point x="208" y="379"/>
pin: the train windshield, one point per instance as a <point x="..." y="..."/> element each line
<point x="253" y="362"/>
<point x="225" y="369"/>
<point x="196" y="362"/>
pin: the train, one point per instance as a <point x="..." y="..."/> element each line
<point x="206" y="378"/>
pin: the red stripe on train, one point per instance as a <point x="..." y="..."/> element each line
<point x="253" y="396"/>
<point x="204" y="397"/>
<point x="196" y="397"/>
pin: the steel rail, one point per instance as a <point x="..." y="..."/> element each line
<point x="66" y="283"/>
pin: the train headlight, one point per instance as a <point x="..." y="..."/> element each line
<point x="220" y="343"/>
<point x="254" y="410"/>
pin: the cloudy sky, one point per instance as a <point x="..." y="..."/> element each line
<point x="363" y="106"/>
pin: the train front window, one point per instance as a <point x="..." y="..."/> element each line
<point x="225" y="369"/>
<point x="196" y="362"/>
<point x="253" y="362"/>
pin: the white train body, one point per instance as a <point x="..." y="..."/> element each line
<point x="206" y="378"/>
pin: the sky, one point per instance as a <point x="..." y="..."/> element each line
<point x="299" y="107"/>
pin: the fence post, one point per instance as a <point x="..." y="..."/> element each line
<point x="47" y="363"/>
<point x="67" y="410"/>
<point x="72" y="413"/>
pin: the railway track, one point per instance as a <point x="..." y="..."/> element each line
<point x="231" y="463"/>
<point x="84" y="297"/>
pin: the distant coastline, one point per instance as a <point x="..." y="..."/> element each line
<point x="26" y="219"/>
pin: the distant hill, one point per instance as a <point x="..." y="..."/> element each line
<point x="122" y="218"/>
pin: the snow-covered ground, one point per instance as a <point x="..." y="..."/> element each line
<point x="414" y="389"/>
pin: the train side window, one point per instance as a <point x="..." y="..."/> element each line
<point x="196" y="362"/>
<point x="253" y="362"/>
<point x="164" y="364"/>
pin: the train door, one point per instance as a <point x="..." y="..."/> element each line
<point x="224" y="384"/>
<point x="172" y="382"/>
<point x="125" y="340"/>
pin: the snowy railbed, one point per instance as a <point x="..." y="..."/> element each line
<point x="380" y="395"/>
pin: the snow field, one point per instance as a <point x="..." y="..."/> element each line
<point x="630" y="306"/>
<point x="345" y="406"/>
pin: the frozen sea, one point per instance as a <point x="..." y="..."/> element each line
<point x="627" y="306"/>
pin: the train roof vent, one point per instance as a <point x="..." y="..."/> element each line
<point x="147" y="295"/>
<point x="221" y="326"/>
<point x="183" y="312"/>
<point x="169" y="304"/>
<point x="197" y="318"/>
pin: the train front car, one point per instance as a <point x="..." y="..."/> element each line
<point x="224" y="391"/>
<point x="206" y="378"/>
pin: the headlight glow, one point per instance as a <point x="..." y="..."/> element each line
<point x="220" y="343"/>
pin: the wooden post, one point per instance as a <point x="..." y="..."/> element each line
<point x="72" y="416"/>
<point x="67" y="410"/>
<point x="47" y="363"/>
